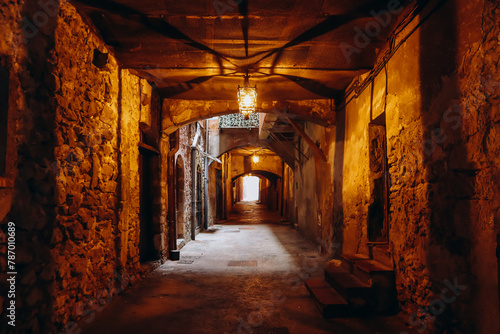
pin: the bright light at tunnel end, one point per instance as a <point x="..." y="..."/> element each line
<point x="251" y="188"/>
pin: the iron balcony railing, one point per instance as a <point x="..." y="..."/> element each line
<point x="238" y="121"/>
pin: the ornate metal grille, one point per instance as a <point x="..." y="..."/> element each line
<point x="238" y="121"/>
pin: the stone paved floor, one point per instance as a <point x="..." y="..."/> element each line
<point x="241" y="277"/>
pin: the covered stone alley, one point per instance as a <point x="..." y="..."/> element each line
<point x="363" y="136"/>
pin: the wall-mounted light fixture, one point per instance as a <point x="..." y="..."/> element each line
<point x="247" y="98"/>
<point x="255" y="159"/>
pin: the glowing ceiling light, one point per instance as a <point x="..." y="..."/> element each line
<point x="247" y="98"/>
<point x="255" y="158"/>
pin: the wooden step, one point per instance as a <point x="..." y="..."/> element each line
<point x="356" y="292"/>
<point x="330" y="303"/>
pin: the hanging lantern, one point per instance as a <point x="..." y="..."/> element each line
<point x="247" y="98"/>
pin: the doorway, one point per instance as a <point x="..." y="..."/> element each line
<point x="219" y="194"/>
<point x="378" y="207"/>
<point x="146" y="236"/>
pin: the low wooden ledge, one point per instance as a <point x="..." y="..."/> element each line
<point x="149" y="149"/>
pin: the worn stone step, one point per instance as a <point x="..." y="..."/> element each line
<point x="372" y="266"/>
<point x="355" y="291"/>
<point x="383" y="284"/>
<point x="330" y="303"/>
<point x="382" y="254"/>
<point x="354" y="257"/>
<point x="349" y="259"/>
<point x="365" y="270"/>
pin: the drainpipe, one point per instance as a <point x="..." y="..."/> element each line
<point x="223" y="185"/>
<point x="171" y="215"/>
<point x="205" y="193"/>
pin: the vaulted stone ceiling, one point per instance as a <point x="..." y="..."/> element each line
<point x="200" y="50"/>
<point x="251" y="150"/>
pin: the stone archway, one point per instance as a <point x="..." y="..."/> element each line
<point x="178" y="112"/>
<point x="270" y="187"/>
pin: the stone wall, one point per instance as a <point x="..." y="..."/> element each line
<point x="76" y="195"/>
<point x="186" y="136"/>
<point x="440" y="95"/>
<point x="288" y="194"/>
<point x="97" y="178"/>
<point x="355" y="186"/>
<point x="184" y="212"/>
<point x="28" y="198"/>
<point x="313" y="196"/>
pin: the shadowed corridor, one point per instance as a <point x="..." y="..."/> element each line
<point x="243" y="276"/>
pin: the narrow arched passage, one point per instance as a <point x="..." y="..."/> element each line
<point x="269" y="188"/>
<point x="251" y="161"/>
